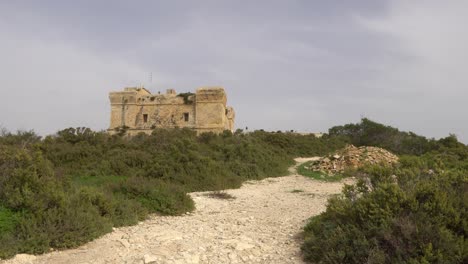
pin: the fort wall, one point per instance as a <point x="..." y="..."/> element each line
<point x="137" y="110"/>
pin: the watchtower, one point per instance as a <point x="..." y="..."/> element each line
<point x="137" y="110"/>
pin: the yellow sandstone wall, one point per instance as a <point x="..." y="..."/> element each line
<point x="140" y="111"/>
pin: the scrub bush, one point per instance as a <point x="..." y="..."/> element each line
<point x="74" y="186"/>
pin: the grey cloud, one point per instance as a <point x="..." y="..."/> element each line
<point x="303" y="65"/>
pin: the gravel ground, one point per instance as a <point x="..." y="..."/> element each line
<point x="262" y="224"/>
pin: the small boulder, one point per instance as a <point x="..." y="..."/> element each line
<point x="150" y="259"/>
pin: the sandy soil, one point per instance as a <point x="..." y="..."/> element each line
<point x="261" y="225"/>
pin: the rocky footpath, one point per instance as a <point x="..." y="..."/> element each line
<point x="352" y="157"/>
<point x="261" y="225"/>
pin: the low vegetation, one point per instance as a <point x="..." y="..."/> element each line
<point x="411" y="212"/>
<point x="66" y="189"/>
<point x="69" y="188"/>
<point x="186" y="97"/>
<point x="297" y="191"/>
<point x="221" y="194"/>
<point x="304" y="170"/>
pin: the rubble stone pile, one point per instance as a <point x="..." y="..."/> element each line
<point x="352" y="157"/>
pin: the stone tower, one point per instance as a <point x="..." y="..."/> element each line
<point x="138" y="110"/>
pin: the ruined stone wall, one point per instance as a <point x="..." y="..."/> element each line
<point x="140" y="111"/>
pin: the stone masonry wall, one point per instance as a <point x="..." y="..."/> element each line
<point x="140" y="111"/>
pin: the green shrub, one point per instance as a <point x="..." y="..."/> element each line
<point x="420" y="219"/>
<point x="414" y="212"/>
<point x="72" y="187"/>
<point x="317" y="175"/>
<point x="186" y="96"/>
<point x="8" y="220"/>
<point x="156" y="196"/>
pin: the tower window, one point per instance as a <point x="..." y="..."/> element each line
<point x="145" y="118"/>
<point x="186" y="117"/>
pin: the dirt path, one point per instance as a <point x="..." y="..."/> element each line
<point x="261" y="225"/>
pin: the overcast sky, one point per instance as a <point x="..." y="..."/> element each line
<point x="303" y="65"/>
